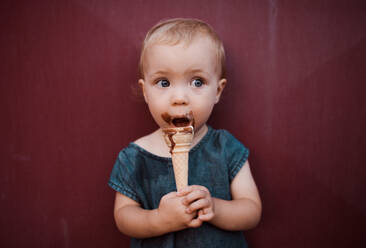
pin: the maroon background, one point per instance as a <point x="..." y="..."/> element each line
<point x="296" y="98"/>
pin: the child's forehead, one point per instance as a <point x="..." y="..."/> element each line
<point x="184" y="41"/>
<point x="174" y="61"/>
<point x="199" y="54"/>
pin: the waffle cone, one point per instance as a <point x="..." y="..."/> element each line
<point x="179" y="140"/>
<point x="180" y="167"/>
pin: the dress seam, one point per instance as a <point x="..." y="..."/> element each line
<point x="123" y="191"/>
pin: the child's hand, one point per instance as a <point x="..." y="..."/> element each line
<point x="198" y="198"/>
<point x="173" y="213"/>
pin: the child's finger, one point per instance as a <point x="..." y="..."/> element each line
<point x="197" y="205"/>
<point x="185" y="191"/>
<point x="191" y="188"/>
<point x="206" y="217"/>
<point x="194" y="196"/>
<point x="197" y="222"/>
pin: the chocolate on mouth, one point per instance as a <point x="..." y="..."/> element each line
<point x="181" y="122"/>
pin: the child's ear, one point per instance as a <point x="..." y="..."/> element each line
<point x="141" y="83"/>
<point x="220" y="87"/>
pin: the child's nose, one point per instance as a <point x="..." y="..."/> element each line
<point x="179" y="97"/>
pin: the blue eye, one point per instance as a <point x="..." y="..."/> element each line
<point x="163" y="83"/>
<point x="197" y="82"/>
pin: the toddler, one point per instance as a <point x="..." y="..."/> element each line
<point x="182" y="78"/>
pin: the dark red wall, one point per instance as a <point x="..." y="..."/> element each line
<point x="296" y="98"/>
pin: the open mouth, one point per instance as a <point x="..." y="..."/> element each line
<point x="181" y="122"/>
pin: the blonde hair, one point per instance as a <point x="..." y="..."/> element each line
<point x="177" y="30"/>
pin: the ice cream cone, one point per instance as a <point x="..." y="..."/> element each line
<point x="179" y="140"/>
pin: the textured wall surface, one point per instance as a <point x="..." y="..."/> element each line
<point x="296" y="98"/>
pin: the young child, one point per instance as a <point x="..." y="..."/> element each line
<point x="182" y="76"/>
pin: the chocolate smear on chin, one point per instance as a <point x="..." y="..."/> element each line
<point x="167" y="118"/>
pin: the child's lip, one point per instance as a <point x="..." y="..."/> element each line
<point x="179" y="120"/>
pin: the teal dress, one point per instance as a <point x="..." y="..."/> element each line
<point x="213" y="163"/>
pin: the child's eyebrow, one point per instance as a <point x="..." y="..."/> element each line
<point x="187" y="72"/>
<point x="159" y="73"/>
<point x="197" y="71"/>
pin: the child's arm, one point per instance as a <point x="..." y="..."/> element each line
<point x="137" y="222"/>
<point x="241" y="213"/>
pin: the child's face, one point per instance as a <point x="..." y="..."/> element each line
<point x="180" y="79"/>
